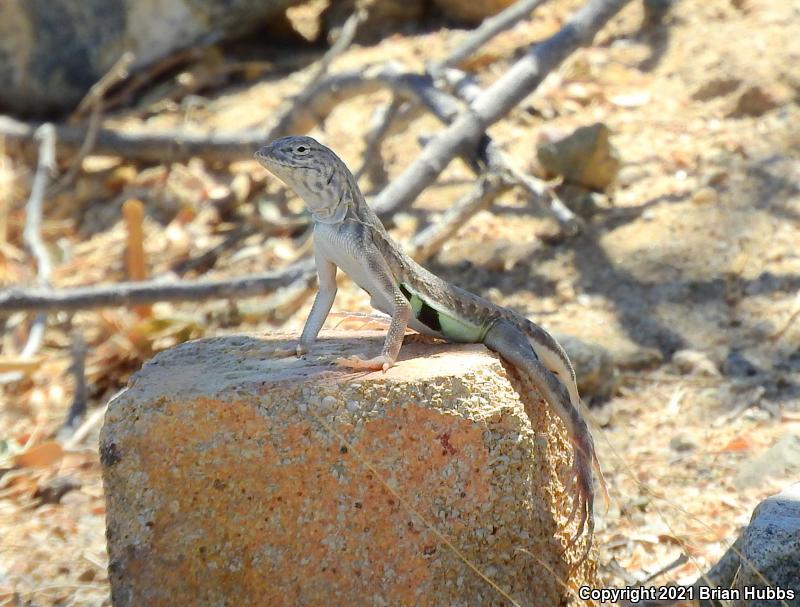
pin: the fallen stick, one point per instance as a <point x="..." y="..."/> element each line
<point x="161" y="147"/>
<point x="487" y="30"/>
<point x="137" y="293"/>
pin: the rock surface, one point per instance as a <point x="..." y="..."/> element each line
<point x="236" y="477"/>
<point x="53" y="51"/>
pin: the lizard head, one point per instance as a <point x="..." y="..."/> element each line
<point x="313" y="171"/>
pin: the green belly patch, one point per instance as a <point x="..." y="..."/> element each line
<point x="440" y="321"/>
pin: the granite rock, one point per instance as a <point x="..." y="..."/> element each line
<point x="236" y="476"/>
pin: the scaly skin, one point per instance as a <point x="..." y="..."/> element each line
<point x="348" y="235"/>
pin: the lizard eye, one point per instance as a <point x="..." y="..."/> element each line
<point x="301" y="149"/>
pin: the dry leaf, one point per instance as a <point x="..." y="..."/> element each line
<point x="631" y="100"/>
<point x="737" y="444"/>
<point x="40" y="456"/>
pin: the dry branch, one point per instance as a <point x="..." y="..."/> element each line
<point x="116" y="74"/>
<point x="162" y="147"/>
<point x="488" y="30"/>
<point x="372" y="162"/>
<point x="93" y="101"/>
<point x="137" y="293"/>
<point x="522" y="79"/>
<point x="429" y="241"/>
<point x="306" y="110"/>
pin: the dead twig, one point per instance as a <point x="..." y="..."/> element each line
<point x="282" y="124"/>
<point x="488" y="29"/>
<point x="135" y="262"/>
<point x="91" y="422"/>
<point x="32" y="237"/>
<point x="116" y="74"/>
<point x="78" y="370"/>
<point x="429" y="241"/>
<point x="32" y="234"/>
<point x="673" y="564"/>
<point x="137" y="293"/>
<point x="381" y="123"/>
<point x="343" y="42"/>
<point x="789" y="322"/>
<point x="93" y="101"/>
<point x="162" y="147"/>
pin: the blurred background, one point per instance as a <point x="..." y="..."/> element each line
<point x="672" y="270"/>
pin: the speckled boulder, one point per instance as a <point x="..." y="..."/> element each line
<point x="770" y="553"/>
<point x="237" y="477"/>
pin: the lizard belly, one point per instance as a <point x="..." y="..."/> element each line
<point x="342" y="251"/>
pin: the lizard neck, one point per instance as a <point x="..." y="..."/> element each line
<point x="358" y="206"/>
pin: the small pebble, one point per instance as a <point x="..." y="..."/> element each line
<point x="682" y="443"/>
<point x="705" y="195"/>
<point x="692" y="362"/>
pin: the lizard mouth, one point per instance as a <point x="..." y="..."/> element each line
<point x="271" y="160"/>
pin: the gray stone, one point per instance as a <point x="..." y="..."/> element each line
<point x="770" y="548"/>
<point x="717" y="87"/>
<point x="682" y="442"/>
<point x="53" y="51"/>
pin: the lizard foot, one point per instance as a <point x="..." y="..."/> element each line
<point x="379" y="363"/>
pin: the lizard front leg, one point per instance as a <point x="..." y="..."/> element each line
<point x="382" y="279"/>
<point x="326" y="272"/>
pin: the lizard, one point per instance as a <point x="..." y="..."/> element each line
<point x="348" y="235"/>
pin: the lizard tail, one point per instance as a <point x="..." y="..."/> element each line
<point x="515" y="346"/>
